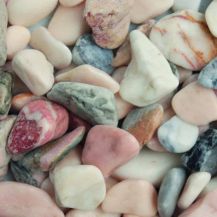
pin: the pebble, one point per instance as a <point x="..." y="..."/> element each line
<point x="195" y="104"/>
<point x="108" y="147"/>
<point x="109" y="21"/>
<point x="86" y="51"/>
<point x="207" y="76"/>
<point x="143" y="74"/>
<point x="70" y="3"/>
<point x="138" y="197"/>
<point x="177" y="136"/>
<point x="202" y="157"/>
<point x="170" y="189"/>
<point x="180" y="5"/>
<point x="204" y="5"/>
<point x="83" y="190"/>
<point x="91" y="103"/>
<point x="196" y="182"/>
<point x="149" y="165"/>
<point x="211" y="186"/>
<point x="184" y="39"/>
<point x="205" y="206"/>
<point x="143" y="122"/>
<point x="142" y="10"/>
<point x="34" y="70"/>
<point x="3" y="30"/>
<point x="184" y="74"/>
<point x="17" y="38"/>
<point x="89" y="75"/>
<point x="47" y="186"/>
<point x="29" y="12"/>
<point x="38" y="122"/>
<point x="68" y="24"/>
<point x="57" y="53"/>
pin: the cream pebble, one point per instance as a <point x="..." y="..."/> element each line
<point x="34" y="70"/>
<point x="17" y="39"/>
<point x="29" y="12"/>
<point x="68" y="24"/>
<point x="70" y="3"/>
<point x="56" y="52"/>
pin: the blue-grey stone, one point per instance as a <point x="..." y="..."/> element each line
<point x="170" y="190"/>
<point x="208" y="75"/>
<point x="203" y="5"/>
<point x="86" y="51"/>
<point x="203" y="156"/>
<point x="92" y="103"/>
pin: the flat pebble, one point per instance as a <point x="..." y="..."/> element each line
<point x="92" y="103"/>
<point x="143" y="74"/>
<point x="202" y="157"/>
<point x="89" y="75"/>
<point x="68" y="24"/>
<point x="149" y="165"/>
<point x="185" y="4"/>
<point x="56" y="52"/>
<point x="109" y="147"/>
<point x="178" y="136"/>
<point x="86" y="51"/>
<point x="29" y="12"/>
<point x="195" y="104"/>
<point x="170" y="189"/>
<point x="34" y="70"/>
<point x="196" y="182"/>
<point x="137" y="197"/>
<point x="83" y="190"/>
<point x="184" y="39"/>
<point x="143" y="122"/>
<point x="70" y="3"/>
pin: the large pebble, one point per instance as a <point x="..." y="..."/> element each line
<point x="68" y="24"/>
<point x="79" y="187"/>
<point x="86" y="51"/>
<point x="208" y="75"/>
<point x="149" y="72"/>
<point x="202" y="157"/>
<point x="109" y="20"/>
<point x="56" y="52"/>
<point x="169" y="191"/>
<point x="184" y="39"/>
<point x="137" y="197"/>
<point x="70" y="3"/>
<point x="89" y="75"/>
<point x="143" y="122"/>
<point x="38" y="122"/>
<point x="186" y="4"/>
<point x="177" y="135"/>
<point x="29" y="12"/>
<point x="149" y="165"/>
<point x="23" y="200"/>
<point x="196" y="182"/>
<point x="92" y="103"/>
<point x="195" y="104"/>
<point x="109" y="147"/>
<point x="143" y="10"/>
<point x="34" y="70"/>
<point x="3" y="30"/>
<point x="18" y="38"/>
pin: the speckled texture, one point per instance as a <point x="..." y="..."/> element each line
<point x="203" y="156"/>
<point x="86" y="51"/>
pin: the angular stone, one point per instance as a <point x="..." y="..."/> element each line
<point x="193" y="45"/>
<point x="86" y="51"/>
<point x="169" y="191"/>
<point x="144" y="167"/>
<point x="92" y="103"/>
<point x="137" y="197"/>
<point x="202" y="157"/>
<point x="38" y="122"/>
<point x="109" y="147"/>
<point x="79" y="187"/>
<point x="143" y="122"/>
<point x="178" y="136"/>
<point x="149" y="79"/>
<point x="208" y="76"/>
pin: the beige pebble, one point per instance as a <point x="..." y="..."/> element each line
<point x="17" y="38"/>
<point x="70" y="3"/>
<point x="68" y="24"/>
<point x="56" y="52"/>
